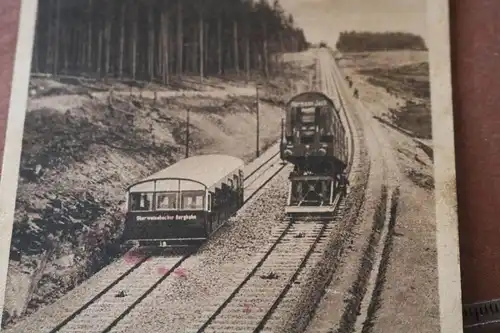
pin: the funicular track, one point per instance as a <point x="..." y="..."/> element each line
<point x="258" y="303"/>
<point x="262" y="175"/>
<point x="252" y="302"/>
<point x="109" y="306"/>
<point x="267" y="164"/>
<point x="319" y="277"/>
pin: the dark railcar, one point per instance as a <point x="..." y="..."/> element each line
<point x="315" y="142"/>
<point x="314" y="137"/>
<point x="184" y="203"/>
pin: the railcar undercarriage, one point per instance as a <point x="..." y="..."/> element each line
<point x="313" y="188"/>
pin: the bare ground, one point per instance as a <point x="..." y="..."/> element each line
<point x="68" y="219"/>
<point x="394" y="89"/>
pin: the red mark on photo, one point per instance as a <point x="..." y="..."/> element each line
<point x="162" y="270"/>
<point x="133" y="258"/>
<point x="180" y="272"/>
<point x="246" y="308"/>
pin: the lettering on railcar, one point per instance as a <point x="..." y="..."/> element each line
<point x="166" y="217"/>
<point x="308" y="103"/>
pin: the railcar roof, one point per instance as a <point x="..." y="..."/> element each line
<point x="206" y="169"/>
<point x="308" y="95"/>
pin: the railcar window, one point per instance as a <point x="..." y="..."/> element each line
<point x="193" y="200"/>
<point x="307" y="116"/>
<point x="141" y="201"/>
<point x="166" y="201"/>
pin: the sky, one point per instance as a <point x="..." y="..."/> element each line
<point x="325" y="19"/>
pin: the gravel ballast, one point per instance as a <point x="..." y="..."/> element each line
<point x="215" y="270"/>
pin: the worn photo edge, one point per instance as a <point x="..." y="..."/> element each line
<point x="444" y="167"/>
<point x="14" y="133"/>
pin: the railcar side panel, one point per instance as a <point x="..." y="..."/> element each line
<point x="162" y="225"/>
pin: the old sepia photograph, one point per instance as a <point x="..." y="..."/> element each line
<point x="230" y="166"/>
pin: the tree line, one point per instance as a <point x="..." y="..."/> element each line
<point x="157" y="39"/>
<point x="360" y="41"/>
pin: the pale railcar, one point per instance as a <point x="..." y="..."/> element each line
<point x="184" y="203"/>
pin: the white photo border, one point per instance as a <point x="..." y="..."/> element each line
<point x="450" y="292"/>
<point x="442" y="133"/>
<point x="14" y="133"/>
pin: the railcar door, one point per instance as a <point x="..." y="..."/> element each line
<point x="209" y="216"/>
<point x="217" y="209"/>
<point x="242" y="187"/>
<point x="230" y="198"/>
<point x="237" y="191"/>
<point x="226" y="202"/>
<point x="318" y="125"/>
<point x="139" y="203"/>
<point x="290" y="124"/>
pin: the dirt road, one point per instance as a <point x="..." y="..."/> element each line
<point x="411" y="281"/>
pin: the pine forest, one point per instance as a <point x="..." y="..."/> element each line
<point x="155" y="40"/>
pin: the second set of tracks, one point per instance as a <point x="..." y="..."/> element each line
<point x="259" y="302"/>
